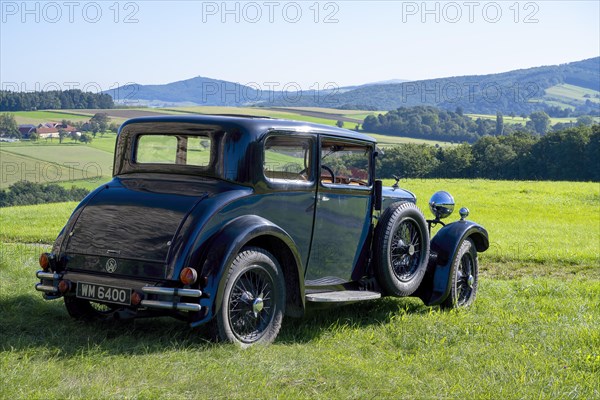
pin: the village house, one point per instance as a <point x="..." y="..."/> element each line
<point x="46" y="130"/>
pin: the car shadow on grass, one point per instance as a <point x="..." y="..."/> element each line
<point x="28" y="323"/>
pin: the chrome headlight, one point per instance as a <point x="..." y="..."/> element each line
<point x="441" y="204"/>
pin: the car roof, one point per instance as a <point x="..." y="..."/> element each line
<point x="256" y="125"/>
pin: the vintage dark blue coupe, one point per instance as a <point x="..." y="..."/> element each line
<point x="238" y="221"/>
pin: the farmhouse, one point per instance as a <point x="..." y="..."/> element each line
<point x="46" y="130"/>
<point x="26" y="130"/>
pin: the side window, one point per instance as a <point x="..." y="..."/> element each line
<point x="345" y="163"/>
<point x="287" y="158"/>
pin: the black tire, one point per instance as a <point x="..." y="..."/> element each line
<point x="253" y="301"/>
<point x="402" y="249"/>
<point x="464" y="274"/>
<point x="86" y="310"/>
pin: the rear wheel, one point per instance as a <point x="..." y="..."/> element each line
<point x="402" y="249"/>
<point x="464" y="275"/>
<point x="253" y="300"/>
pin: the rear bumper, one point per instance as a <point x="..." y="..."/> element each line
<point x="152" y="296"/>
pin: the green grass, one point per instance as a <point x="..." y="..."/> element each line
<point x="534" y="227"/>
<point x="533" y="332"/>
<point x="37" y="117"/>
<point x="570" y="93"/>
<point x="82" y="162"/>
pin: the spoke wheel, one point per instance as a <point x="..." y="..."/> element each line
<point x="251" y="305"/>
<point x="465" y="277"/>
<point x="253" y="300"/>
<point x="406" y="250"/>
<point x="402" y="249"/>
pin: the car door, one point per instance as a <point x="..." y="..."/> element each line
<point x="343" y="211"/>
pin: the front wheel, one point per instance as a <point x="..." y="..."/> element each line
<point x="253" y="300"/>
<point x="464" y="274"/>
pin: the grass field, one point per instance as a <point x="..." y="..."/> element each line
<point x="533" y="332"/>
<point x="37" y="117"/>
<point x="49" y="162"/>
<point x="569" y="93"/>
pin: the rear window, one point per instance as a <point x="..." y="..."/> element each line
<point x="174" y="149"/>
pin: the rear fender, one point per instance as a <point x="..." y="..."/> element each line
<point x="229" y="241"/>
<point x="437" y="282"/>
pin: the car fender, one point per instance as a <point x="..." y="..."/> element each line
<point x="225" y="245"/>
<point x="444" y="246"/>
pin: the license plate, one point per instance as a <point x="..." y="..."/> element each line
<point x="104" y="293"/>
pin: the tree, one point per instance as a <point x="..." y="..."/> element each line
<point x="33" y="136"/>
<point x="499" y="124"/>
<point x="62" y="134"/>
<point x="85" y="138"/>
<point x="540" y="121"/>
<point x="8" y="126"/>
<point x="102" y="120"/>
<point x="339" y="124"/>
<point x="585" y="120"/>
<point x="113" y="127"/>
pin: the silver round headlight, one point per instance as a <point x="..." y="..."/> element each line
<point x="441" y="204"/>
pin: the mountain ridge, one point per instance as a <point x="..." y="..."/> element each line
<point x="517" y="91"/>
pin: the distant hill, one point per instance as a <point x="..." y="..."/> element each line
<point x="574" y="85"/>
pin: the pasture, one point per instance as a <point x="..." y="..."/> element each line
<point x="50" y="162"/>
<point x="533" y="332"/>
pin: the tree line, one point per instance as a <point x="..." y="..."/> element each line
<point x="426" y="122"/>
<point x="24" y="193"/>
<point x="571" y="154"/>
<point x="53" y="100"/>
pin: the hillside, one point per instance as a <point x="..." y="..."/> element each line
<point x="574" y="85"/>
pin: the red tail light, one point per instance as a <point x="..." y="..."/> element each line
<point x="188" y="276"/>
<point x="64" y="286"/>
<point x="136" y="298"/>
<point x="45" y="261"/>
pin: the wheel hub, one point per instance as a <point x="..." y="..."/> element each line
<point x="470" y="281"/>
<point x="257" y="306"/>
<point x="411" y="250"/>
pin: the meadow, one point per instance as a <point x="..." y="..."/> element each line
<point x="47" y="161"/>
<point x="533" y="332"/>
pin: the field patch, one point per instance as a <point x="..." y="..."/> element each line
<point x="43" y="164"/>
<point x="572" y="94"/>
<point x="38" y="117"/>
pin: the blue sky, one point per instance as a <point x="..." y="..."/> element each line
<point x="106" y="43"/>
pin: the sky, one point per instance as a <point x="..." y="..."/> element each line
<point x="99" y="45"/>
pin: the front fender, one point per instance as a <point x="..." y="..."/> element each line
<point x="225" y="245"/>
<point x="437" y="282"/>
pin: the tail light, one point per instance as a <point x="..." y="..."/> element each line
<point x="188" y="276"/>
<point x="136" y="298"/>
<point x="64" y="286"/>
<point x="45" y="261"/>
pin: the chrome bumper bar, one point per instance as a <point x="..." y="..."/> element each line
<point x="172" y="291"/>
<point x="48" y="289"/>
<point x="52" y="290"/>
<point x="169" y="305"/>
<point x="166" y="305"/>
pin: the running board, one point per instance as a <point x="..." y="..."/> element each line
<point x="342" y="296"/>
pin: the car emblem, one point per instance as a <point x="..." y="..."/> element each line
<point x="111" y="265"/>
